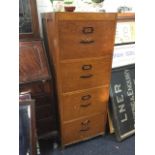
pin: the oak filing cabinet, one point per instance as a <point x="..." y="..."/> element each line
<point x="80" y="47"/>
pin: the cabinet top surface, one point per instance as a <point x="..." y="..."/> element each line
<point x="88" y="15"/>
<point x="80" y="15"/>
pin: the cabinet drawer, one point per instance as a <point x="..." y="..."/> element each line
<point x="85" y="103"/>
<point x="81" y="39"/>
<point x="83" y="129"/>
<point x="85" y="74"/>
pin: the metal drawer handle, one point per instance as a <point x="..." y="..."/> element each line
<point x="86" y="67"/>
<point x="86" y="97"/>
<point x="86" y="122"/>
<point x="86" y="104"/>
<point x="87" y="30"/>
<point x="87" y="41"/>
<point x="85" y="126"/>
<point x="85" y="129"/>
<point x="86" y="76"/>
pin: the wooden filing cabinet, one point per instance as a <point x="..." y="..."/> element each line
<point x="80" y="47"/>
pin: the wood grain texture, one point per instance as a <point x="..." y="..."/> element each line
<point x="32" y="62"/>
<point x="81" y="16"/>
<point x="85" y="102"/>
<point x="80" y="50"/>
<point x="84" y="128"/>
<point x="125" y="17"/>
<point x="74" y="78"/>
<point x="79" y="39"/>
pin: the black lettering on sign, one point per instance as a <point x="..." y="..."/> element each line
<point x="122" y="101"/>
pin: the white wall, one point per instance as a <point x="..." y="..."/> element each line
<point x="112" y="5"/>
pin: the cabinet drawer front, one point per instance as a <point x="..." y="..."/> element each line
<point x="85" y="103"/>
<point x="86" y="39"/>
<point x="85" y="74"/>
<point x="83" y="129"/>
